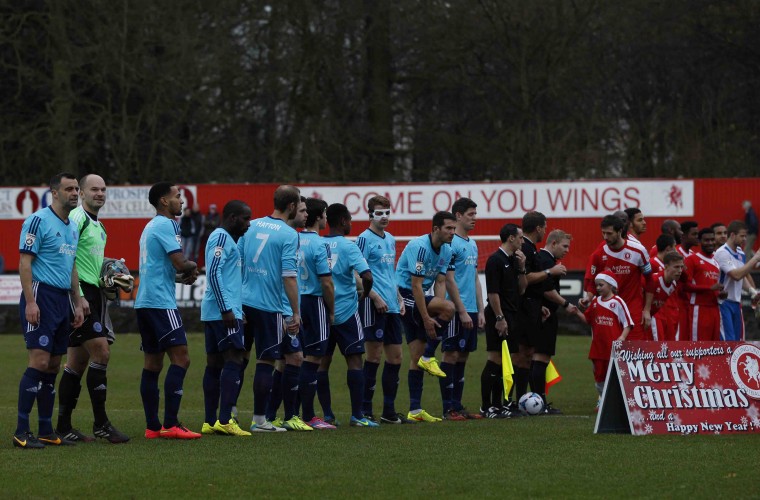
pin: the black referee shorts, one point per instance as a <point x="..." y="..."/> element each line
<point x="528" y="321"/>
<point x="493" y="340"/>
<point x="545" y="340"/>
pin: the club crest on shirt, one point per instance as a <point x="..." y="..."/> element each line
<point x="419" y="266"/>
<point x="593" y="270"/>
<point x="218" y="251"/>
<point x="30" y="239"/>
<point x="179" y="239"/>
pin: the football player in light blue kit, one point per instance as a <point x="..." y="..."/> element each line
<point x="50" y="290"/>
<point x="381" y="312"/>
<point x="291" y="375"/>
<point x="317" y="305"/>
<point x="269" y="251"/>
<point x="162" y="263"/>
<point x="222" y="314"/>
<point x="346" y="330"/>
<point x="424" y="263"/>
<point x="464" y="290"/>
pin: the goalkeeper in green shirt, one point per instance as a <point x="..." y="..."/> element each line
<point x="89" y="345"/>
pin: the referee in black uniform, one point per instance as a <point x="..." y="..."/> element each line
<point x="530" y="314"/>
<point x="505" y="282"/>
<point x="544" y="341"/>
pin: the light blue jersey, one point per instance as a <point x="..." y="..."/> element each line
<point x="287" y="311"/>
<point x="465" y="261"/>
<point x="419" y="259"/>
<point x="224" y="278"/>
<point x="313" y="263"/>
<point x="345" y="259"/>
<point x="269" y="252"/>
<point x="380" y="254"/>
<point x="159" y="240"/>
<point x="53" y="242"/>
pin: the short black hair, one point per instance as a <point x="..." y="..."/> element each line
<point x="717" y="224"/>
<point x="688" y="225"/>
<point x="631" y="213"/>
<point x="159" y="190"/>
<point x="314" y="209"/>
<point x="533" y="220"/>
<point x="705" y="230"/>
<point x="336" y="213"/>
<point x="462" y="205"/>
<point x="614" y="222"/>
<point x="664" y="241"/>
<point x="508" y="230"/>
<point x="55" y="181"/>
<point x="233" y="208"/>
<point x="441" y="217"/>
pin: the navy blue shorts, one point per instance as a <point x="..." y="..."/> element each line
<point x="316" y="325"/>
<point x="349" y="337"/>
<point x="160" y="329"/>
<point x="413" y="326"/>
<point x="385" y="328"/>
<point x="266" y="330"/>
<point x="459" y="338"/>
<point x="52" y="332"/>
<point x="219" y="338"/>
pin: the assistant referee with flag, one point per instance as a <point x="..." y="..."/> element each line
<point x="505" y="282"/>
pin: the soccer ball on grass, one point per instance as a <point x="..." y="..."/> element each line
<point x="531" y="403"/>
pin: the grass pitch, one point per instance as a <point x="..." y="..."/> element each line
<point x="556" y="457"/>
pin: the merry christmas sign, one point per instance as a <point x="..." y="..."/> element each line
<point x="681" y="388"/>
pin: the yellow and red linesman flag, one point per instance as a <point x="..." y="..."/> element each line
<point x="506" y="368"/>
<point x="552" y="376"/>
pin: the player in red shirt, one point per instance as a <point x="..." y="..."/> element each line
<point x="669" y="227"/>
<point x="627" y="262"/>
<point x="610" y="321"/>
<point x="637" y="224"/>
<point x="665" y="244"/>
<point x="701" y="282"/>
<point x="660" y="301"/>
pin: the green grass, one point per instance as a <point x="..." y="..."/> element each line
<point x="533" y="457"/>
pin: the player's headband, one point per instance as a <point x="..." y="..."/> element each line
<point x="380" y="214"/>
<point x="607" y="279"/>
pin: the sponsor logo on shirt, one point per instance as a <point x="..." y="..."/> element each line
<point x="67" y="249"/>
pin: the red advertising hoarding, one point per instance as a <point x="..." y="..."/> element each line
<point x="574" y="206"/>
<point x="681" y="388"/>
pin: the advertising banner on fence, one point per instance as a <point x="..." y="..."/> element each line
<point x="124" y="202"/>
<point x="671" y="198"/>
<point x="681" y="388"/>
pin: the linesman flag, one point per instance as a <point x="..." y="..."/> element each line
<point x="506" y="369"/>
<point x="552" y="376"/>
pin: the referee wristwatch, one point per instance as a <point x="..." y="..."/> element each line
<point x="548" y="272"/>
<point x="499" y="318"/>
